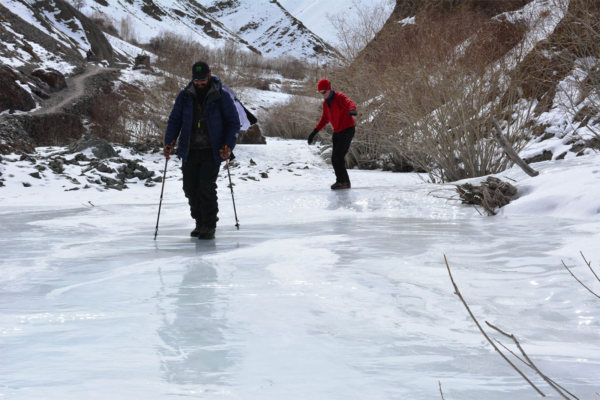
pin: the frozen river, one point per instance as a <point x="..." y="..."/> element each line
<point x="319" y="295"/>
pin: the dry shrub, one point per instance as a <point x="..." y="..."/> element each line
<point x="104" y="23"/>
<point x="427" y="93"/>
<point x="293" y="119"/>
<point x="576" y="54"/>
<point x="106" y="117"/>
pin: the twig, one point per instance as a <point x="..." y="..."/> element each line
<point x="579" y="280"/>
<point x="457" y="292"/>
<point x="529" y="362"/>
<point x="525" y="362"/>
<point x="442" y="393"/>
<point x="514" y="180"/>
<point x="476" y="209"/>
<point x="589" y="264"/>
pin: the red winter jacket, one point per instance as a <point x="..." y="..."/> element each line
<point x="338" y="113"/>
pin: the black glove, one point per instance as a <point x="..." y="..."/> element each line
<point x="353" y="113"/>
<point x="312" y="136"/>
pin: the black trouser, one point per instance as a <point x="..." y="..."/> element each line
<point x="341" y="145"/>
<point x="200" y="172"/>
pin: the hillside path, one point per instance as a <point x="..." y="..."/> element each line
<point x="75" y="89"/>
<point x="76" y="86"/>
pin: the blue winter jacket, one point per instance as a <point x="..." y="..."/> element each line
<point x="221" y="116"/>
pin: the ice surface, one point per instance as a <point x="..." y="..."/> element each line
<point x="319" y="295"/>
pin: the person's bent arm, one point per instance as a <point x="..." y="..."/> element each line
<point x="231" y="121"/>
<point x="175" y="122"/>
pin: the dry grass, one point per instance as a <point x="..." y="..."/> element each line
<point x="427" y="94"/>
<point x="294" y="119"/>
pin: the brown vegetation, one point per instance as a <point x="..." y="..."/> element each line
<point x="293" y="119"/>
<point x="428" y="94"/>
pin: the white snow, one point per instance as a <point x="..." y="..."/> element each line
<point x="314" y="14"/>
<point x="319" y="295"/>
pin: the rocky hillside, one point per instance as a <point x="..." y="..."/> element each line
<point x="49" y="34"/>
<point x="269" y="27"/>
<point x="539" y="51"/>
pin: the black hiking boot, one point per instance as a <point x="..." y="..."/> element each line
<point x="207" y="234"/>
<point x="197" y="230"/>
<point x="338" y="186"/>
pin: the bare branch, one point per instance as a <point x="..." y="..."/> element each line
<point x="529" y="363"/>
<point x="457" y="292"/>
<point x="506" y="146"/>
<point x="589" y="264"/>
<point x="579" y="280"/>
<point x="440" y="383"/>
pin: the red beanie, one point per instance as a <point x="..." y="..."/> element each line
<point x="324" y="84"/>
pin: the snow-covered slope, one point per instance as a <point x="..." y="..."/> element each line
<point x="270" y="27"/>
<point x="149" y="18"/>
<point x="314" y="14"/>
<point x="47" y="33"/>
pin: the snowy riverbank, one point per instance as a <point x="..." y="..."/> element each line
<point x="320" y="294"/>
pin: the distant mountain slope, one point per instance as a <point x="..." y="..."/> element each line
<point x="268" y="26"/>
<point x="149" y="18"/>
<point x="48" y="33"/>
<point x="314" y="14"/>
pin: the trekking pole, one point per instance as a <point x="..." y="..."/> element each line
<point x="237" y="222"/>
<point x="162" y="190"/>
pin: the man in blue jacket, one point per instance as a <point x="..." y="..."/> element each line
<point x="206" y="121"/>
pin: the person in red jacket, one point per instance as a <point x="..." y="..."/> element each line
<point x="338" y="110"/>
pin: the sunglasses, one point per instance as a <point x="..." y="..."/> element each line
<point x="324" y="91"/>
<point x="201" y="80"/>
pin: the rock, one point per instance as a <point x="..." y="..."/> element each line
<point x="53" y="78"/>
<point x="142" y="61"/>
<point x="35" y="175"/>
<point x="252" y="136"/>
<point x="12" y="96"/>
<point x="42" y="94"/>
<point x="57" y="166"/>
<point x="145" y="146"/>
<point x="29" y="158"/>
<point x="252" y="162"/>
<point x="149" y="184"/>
<point x="81" y="157"/>
<point x="545" y="156"/>
<point x="264" y="175"/>
<point x="26" y="184"/>
<point x="100" y="147"/>
<point x="72" y="189"/>
<point x="109" y="181"/>
<point x="1" y="183"/>
<point x="158" y="179"/>
<point x="87" y="186"/>
<point x="102" y="168"/>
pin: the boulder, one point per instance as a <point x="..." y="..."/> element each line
<point x="51" y="77"/>
<point x="252" y="136"/>
<point x="142" y="61"/>
<point x="12" y="95"/>
<point x="100" y="147"/>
